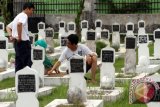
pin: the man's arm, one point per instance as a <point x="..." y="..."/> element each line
<point x="9" y="31"/>
<point x="19" y="30"/>
<point x="54" y="68"/>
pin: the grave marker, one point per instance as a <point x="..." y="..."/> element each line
<point x="63" y="42"/>
<point x="98" y="28"/>
<point x="91" y="37"/>
<point x="31" y="38"/>
<point x="130" y="29"/>
<point x="105" y="36"/>
<point x="71" y="27"/>
<point x="37" y="57"/>
<point x="130" y="55"/>
<point x="2" y="29"/>
<point x="141" y="27"/>
<point x="41" y="30"/>
<point x="27" y="86"/>
<point x="84" y="27"/>
<point x="157" y="43"/>
<point x="61" y="29"/>
<point x="77" y="71"/>
<point x="4" y="51"/>
<point x="107" y="75"/>
<point x="116" y="36"/>
<point x="49" y="39"/>
<point x="143" y="50"/>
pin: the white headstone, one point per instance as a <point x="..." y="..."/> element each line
<point x="63" y="41"/>
<point x="107" y="74"/>
<point x="98" y="28"/>
<point x="157" y="43"/>
<point x="143" y="50"/>
<point x="91" y="38"/>
<point x="130" y="44"/>
<point x="2" y="29"/>
<point x="141" y="27"/>
<point x="105" y="36"/>
<point x="71" y="28"/>
<point x="32" y="38"/>
<point x="41" y="30"/>
<point x="130" y="28"/>
<point x="27" y="86"/>
<point x="4" y="52"/>
<point x="84" y="27"/>
<point x="77" y="71"/>
<point x="37" y="57"/>
<point x="116" y="35"/>
<point x="130" y="55"/>
<point x="49" y="39"/>
<point x="61" y="29"/>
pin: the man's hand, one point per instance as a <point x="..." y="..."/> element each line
<point x="50" y="71"/>
<point x="19" y="39"/>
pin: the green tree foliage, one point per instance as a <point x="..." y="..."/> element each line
<point x="6" y="17"/>
<point x="77" y="19"/>
<point x="125" y="6"/>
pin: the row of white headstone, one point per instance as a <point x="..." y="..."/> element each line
<point x="27" y="82"/>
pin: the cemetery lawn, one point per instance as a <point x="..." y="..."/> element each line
<point x="60" y="92"/>
<point x="7" y="83"/>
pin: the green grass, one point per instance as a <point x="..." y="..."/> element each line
<point x="119" y="63"/>
<point x="60" y="92"/>
<point x="7" y="83"/>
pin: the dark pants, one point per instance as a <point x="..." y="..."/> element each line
<point x="23" y="54"/>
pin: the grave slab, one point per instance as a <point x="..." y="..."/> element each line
<point x="54" y="55"/>
<point x="7" y="104"/>
<point x="154" y="60"/>
<point x="147" y="69"/>
<point x="122" y="77"/>
<point x="6" y="74"/>
<point x="105" y="95"/>
<point x="11" y="91"/>
<point x="56" y="81"/>
<point x="89" y="103"/>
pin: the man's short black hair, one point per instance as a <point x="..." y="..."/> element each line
<point x="28" y="5"/>
<point x="73" y="38"/>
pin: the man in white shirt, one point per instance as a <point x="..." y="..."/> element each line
<point x="18" y="32"/>
<point x="74" y="48"/>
